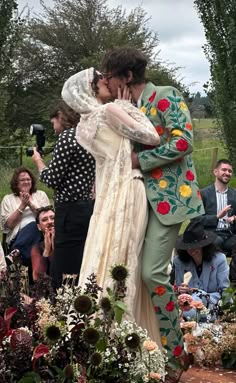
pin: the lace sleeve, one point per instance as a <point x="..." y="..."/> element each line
<point x="129" y="122"/>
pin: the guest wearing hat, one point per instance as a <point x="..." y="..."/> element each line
<point x="197" y="254"/>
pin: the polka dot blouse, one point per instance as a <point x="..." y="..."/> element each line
<point x="71" y="172"/>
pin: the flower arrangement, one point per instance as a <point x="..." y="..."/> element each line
<point x="73" y="335"/>
<point x="212" y="344"/>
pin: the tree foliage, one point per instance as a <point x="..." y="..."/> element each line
<point x="66" y="38"/>
<point x="219" y="21"/>
<point x="9" y="33"/>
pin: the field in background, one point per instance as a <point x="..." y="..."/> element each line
<point x="207" y="149"/>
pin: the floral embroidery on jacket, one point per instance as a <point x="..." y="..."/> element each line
<point x="174" y="188"/>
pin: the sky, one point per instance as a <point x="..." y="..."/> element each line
<point x="180" y="32"/>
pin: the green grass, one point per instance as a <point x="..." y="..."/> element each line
<point x="204" y="156"/>
<point x="203" y="123"/>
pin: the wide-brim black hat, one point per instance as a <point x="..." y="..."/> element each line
<point x="194" y="237"/>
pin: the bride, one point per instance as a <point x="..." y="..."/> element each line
<point x="117" y="227"/>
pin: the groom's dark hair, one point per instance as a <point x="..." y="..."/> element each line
<point x="119" y="61"/>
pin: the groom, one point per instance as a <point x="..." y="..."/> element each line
<point x="171" y="186"/>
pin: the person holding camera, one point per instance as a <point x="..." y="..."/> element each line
<point x="71" y="173"/>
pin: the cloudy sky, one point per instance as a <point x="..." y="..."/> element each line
<point x="180" y="33"/>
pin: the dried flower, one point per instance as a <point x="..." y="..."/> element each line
<point x="69" y="372"/>
<point x="90" y="335"/>
<point x="184" y="302"/>
<point x="132" y="340"/>
<point x="119" y="273"/>
<point x="198" y="305"/>
<point x="188" y="324"/>
<point x="149" y="345"/>
<point x="83" y="304"/>
<point x="21" y="338"/>
<point x="53" y="333"/>
<point x="96" y="359"/>
<point x="154" y="375"/>
<point x="106" y="304"/>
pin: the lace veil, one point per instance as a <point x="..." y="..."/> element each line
<point x="78" y="94"/>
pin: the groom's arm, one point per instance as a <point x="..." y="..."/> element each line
<point x="175" y="118"/>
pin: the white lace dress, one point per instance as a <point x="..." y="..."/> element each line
<point x="117" y="226"/>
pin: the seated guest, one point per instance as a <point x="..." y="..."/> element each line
<point x="197" y="254"/>
<point x="42" y="252"/>
<point x="3" y="265"/>
<point x="219" y="201"/>
<point x="18" y="211"/>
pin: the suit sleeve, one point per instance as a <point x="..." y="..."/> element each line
<point x="208" y="220"/>
<point x="175" y="118"/>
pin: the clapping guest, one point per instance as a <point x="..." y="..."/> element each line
<point x="18" y="211"/>
<point x="43" y="251"/>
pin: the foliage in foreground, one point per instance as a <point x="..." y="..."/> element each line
<point x="73" y="335"/>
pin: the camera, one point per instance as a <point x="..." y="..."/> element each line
<point x="37" y="130"/>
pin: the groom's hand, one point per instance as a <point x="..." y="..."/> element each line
<point x="135" y="161"/>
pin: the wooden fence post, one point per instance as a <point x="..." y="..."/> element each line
<point x="21" y="155"/>
<point x="214" y="158"/>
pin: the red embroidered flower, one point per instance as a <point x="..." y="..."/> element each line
<point x="177" y="351"/>
<point x="157" y="173"/>
<point x="170" y="306"/>
<point x="189" y="175"/>
<point x="199" y="194"/>
<point x="181" y="145"/>
<point x="160" y="290"/>
<point x="163" y="104"/>
<point x="188" y="126"/>
<point x="159" y="129"/>
<point x="179" y="159"/>
<point x="163" y="208"/>
<point x="212" y="268"/>
<point x="156" y="308"/>
<point x="152" y="97"/>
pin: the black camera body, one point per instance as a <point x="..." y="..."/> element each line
<point x="37" y="130"/>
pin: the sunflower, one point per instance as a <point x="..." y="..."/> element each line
<point x="83" y="304"/>
<point x="90" y="335"/>
<point x="119" y="272"/>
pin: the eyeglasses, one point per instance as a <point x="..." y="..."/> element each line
<point x="107" y="75"/>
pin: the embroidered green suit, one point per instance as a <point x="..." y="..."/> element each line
<point x="174" y="196"/>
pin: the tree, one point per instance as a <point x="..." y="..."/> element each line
<point x="70" y="36"/>
<point x="7" y="40"/>
<point x="219" y="21"/>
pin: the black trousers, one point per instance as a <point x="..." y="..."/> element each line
<point x="226" y="241"/>
<point x="71" y="227"/>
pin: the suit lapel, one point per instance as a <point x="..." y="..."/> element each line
<point x="212" y="197"/>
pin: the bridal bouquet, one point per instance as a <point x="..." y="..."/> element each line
<point x="73" y="335"/>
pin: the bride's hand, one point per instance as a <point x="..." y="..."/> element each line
<point x="124" y="94"/>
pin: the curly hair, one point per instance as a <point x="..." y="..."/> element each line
<point x="15" y="177"/>
<point x="119" y="61"/>
<point x="70" y="118"/>
<point x="208" y="252"/>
